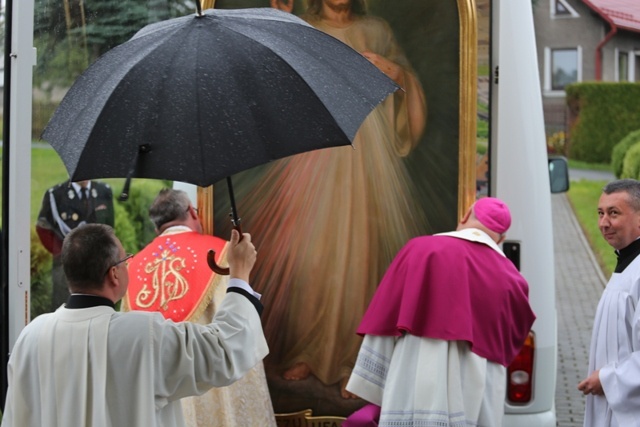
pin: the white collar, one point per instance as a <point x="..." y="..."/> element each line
<point x="78" y="188"/>
<point x="174" y="229"/>
<point x="474" y="235"/>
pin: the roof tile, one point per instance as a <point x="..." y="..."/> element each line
<point x="623" y="13"/>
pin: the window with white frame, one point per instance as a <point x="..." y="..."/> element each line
<point x="562" y="9"/>
<point x="625" y="65"/>
<point x="622" y="66"/>
<point x="563" y="66"/>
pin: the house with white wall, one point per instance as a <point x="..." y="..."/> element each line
<point x="584" y="40"/>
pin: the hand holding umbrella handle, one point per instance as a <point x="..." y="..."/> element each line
<point x="211" y="257"/>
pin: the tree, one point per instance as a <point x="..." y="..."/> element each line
<point x="72" y="34"/>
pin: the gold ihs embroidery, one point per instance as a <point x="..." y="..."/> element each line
<point x="167" y="283"/>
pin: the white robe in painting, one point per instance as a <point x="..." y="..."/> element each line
<point x="615" y="350"/>
<point x="422" y="381"/>
<point x="95" y="367"/>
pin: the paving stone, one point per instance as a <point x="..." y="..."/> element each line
<point x="579" y="284"/>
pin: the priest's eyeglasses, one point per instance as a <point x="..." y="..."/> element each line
<point x="126" y="258"/>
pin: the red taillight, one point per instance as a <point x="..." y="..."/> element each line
<point x="520" y="373"/>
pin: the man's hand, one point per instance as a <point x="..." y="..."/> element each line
<point x="592" y="384"/>
<point x="241" y="256"/>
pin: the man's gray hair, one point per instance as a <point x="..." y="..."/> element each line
<point x="629" y="186"/>
<point x="169" y="205"/>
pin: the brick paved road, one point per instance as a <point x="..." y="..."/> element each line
<point x="579" y="282"/>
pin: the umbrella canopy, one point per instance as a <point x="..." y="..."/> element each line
<point x="201" y="97"/>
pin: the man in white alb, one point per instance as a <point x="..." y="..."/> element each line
<point x="613" y="383"/>
<point x="88" y="365"/>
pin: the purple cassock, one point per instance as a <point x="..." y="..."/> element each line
<point x="453" y="289"/>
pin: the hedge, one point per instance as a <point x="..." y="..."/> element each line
<point x="631" y="163"/>
<point x="134" y="216"/>
<point x="40" y="277"/>
<point x="620" y="151"/>
<point x="600" y="115"/>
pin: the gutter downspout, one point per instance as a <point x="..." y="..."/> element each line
<point x="605" y="40"/>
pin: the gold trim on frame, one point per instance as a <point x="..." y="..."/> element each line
<point x="207" y="4"/>
<point x="305" y="418"/>
<point x="468" y="104"/>
<point x="205" y="209"/>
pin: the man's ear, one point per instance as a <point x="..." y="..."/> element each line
<point x="466" y="216"/>
<point x="193" y="213"/>
<point x="113" y="276"/>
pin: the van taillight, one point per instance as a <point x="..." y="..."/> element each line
<point x="520" y="373"/>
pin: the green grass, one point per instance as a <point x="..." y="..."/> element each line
<point x="577" y="164"/>
<point x="46" y="170"/>
<point x="583" y="196"/>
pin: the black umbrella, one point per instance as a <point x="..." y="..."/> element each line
<point x="201" y="97"/>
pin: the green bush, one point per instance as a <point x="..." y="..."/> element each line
<point x="40" y="277"/>
<point x="482" y="129"/>
<point x="620" y="150"/>
<point x="125" y="231"/>
<point x="136" y="213"/>
<point x="601" y="114"/>
<point x="631" y="163"/>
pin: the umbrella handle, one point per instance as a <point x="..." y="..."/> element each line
<point x="211" y="257"/>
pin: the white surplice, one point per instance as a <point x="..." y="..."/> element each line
<point x="95" y="367"/>
<point x="615" y="350"/>
<point x="422" y="381"/>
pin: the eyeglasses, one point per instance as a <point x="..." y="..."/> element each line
<point x="125" y="259"/>
<point x="192" y="207"/>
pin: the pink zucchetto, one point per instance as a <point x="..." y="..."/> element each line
<point x="493" y="213"/>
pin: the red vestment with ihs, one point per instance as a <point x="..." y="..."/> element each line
<point x="171" y="275"/>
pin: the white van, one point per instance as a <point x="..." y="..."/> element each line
<point x="519" y="174"/>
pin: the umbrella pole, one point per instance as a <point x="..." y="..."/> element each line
<point x="124" y="195"/>
<point x="142" y="149"/>
<point x="211" y="255"/>
<point x="234" y="212"/>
